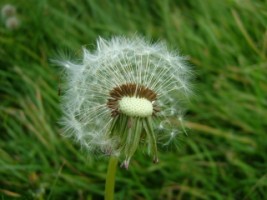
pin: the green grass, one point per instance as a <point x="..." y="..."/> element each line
<point x="225" y="155"/>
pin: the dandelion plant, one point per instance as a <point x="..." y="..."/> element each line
<point x="125" y="94"/>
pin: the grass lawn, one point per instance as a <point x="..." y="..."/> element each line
<point x="225" y="153"/>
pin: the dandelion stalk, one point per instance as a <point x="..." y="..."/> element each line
<point x="110" y="178"/>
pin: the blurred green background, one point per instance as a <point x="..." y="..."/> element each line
<point x="225" y="155"/>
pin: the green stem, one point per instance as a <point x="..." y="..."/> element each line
<point x="110" y="179"/>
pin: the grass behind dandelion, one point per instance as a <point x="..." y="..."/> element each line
<point x="224" y="156"/>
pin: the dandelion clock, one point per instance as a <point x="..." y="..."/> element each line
<point x="125" y="94"/>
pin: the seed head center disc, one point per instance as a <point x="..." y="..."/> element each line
<point x="136" y="107"/>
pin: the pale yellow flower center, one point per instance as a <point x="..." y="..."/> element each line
<point x="136" y="107"/>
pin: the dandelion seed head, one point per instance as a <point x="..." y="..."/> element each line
<point x="12" y="23"/>
<point x="8" y="10"/>
<point x="124" y="93"/>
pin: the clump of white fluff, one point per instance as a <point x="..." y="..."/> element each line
<point x="116" y="62"/>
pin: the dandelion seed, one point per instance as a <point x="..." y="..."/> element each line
<point x="126" y="93"/>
